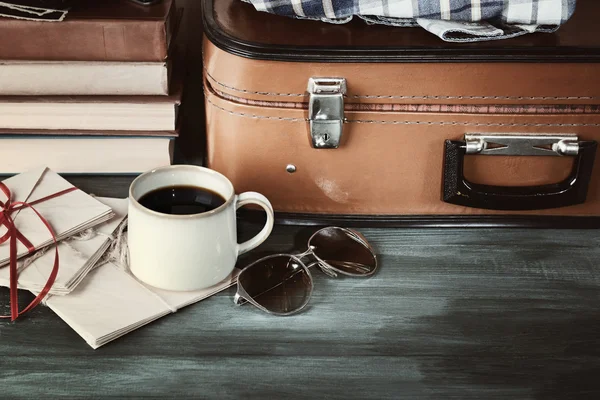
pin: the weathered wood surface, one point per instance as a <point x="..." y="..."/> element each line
<point x="451" y="314"/>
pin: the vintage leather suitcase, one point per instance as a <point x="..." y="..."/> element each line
<point x="358" y="122"/>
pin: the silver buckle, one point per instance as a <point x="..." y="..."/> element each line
<point x="522" y="145"/>
<point x="326" y="111"/>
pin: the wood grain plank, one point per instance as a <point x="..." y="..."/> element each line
<point x="450" y="314"/>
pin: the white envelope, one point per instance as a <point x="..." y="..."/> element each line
<point x="110" y="303"/>
<point x="67" y="214"/>
<point x="77" y="257"/>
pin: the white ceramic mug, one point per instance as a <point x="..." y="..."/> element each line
<point x="188" y="252"/>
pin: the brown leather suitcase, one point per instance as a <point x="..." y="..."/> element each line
<point x="358" y="122"/>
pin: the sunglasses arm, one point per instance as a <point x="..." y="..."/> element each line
<point x="324" y="267"/>
<point x="239" y="300"/>
<point x="327" y="270"/>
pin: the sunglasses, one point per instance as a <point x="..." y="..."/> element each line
<point x="281" y="284"/>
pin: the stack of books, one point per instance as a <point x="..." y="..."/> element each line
<point x="95" y="93"/>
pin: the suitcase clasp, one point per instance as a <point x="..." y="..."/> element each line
<point x="326" y="111"/>
<point x="522" y="145"/>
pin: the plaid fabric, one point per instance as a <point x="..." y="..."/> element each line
<point x="452" y="20"/>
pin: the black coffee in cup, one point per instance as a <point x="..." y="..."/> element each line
<point x="182" y="200"/>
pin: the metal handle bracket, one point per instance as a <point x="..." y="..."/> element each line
<point x="522" y="145"/>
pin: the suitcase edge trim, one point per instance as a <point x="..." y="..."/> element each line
<point x="261" y="51"/>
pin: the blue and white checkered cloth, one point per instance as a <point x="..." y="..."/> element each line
<point x="452" y="20"/>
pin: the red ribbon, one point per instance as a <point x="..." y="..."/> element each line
<point x="13" y="234"/>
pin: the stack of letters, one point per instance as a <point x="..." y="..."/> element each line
<point x="94" y="294"/>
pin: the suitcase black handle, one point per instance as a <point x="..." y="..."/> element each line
<point x="572" y="190"/>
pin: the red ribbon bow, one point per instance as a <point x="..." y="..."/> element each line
<point x="13" y="234"/>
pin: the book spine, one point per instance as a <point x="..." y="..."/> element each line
<point x="84" y="40"/>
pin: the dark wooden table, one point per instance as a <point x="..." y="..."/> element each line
<point x="459" y="314"/>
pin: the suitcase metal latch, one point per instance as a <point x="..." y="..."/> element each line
<point x="326" y="111"/>
<point x="522" y="145"/>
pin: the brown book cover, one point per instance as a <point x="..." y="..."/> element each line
<point x="107" y="30"/>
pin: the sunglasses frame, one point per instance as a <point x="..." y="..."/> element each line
<point x="242" y="296"/>
<point x="332" y="271"/>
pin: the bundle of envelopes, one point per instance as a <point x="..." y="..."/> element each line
<point x="95" y="295"/>
<point x="78" y="255"/>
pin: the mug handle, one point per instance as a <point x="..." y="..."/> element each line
<point x="256" y="198"/>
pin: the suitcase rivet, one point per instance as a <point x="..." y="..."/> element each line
<point x="291" y="168"/>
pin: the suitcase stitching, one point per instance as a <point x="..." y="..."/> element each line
<point x="460" y="97"/>
<point x="252" y="115"/>
<point x="475" y="97"/>
<point x="359" y="121"/>
<point x="451" y="108"/>
<point x="391" y="122"/>
<point x="249" y="91"/>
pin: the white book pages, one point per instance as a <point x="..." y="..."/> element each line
<point x="127" y="114"/>
<point x="85" y="154"/>
<point x="75" y="78"/>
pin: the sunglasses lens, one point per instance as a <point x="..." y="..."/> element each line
<point x="345" y="250"/>
<point x="280" y="284"/>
